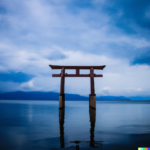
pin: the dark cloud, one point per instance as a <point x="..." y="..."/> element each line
<point x="126" y="14"/>
<point x="18" y="77"/>
<point x="143" y="58"/>
<point x="131" y="17"/>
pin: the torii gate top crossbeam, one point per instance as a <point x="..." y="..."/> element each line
<point x="77" y="67"/>
<point x="63" y="75"/>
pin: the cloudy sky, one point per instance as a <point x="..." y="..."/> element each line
<point x="36" y="33"/>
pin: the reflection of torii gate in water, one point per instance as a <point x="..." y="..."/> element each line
<point x="92" y="142"/>
<point x="92" y="96"/>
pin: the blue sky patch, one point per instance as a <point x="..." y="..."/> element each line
<point x="18" y="77"/>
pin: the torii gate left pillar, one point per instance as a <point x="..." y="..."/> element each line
<point x="92" y="96"/>
<point x="62" y="84"/>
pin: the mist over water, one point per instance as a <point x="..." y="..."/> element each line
<point x="40" y="125"/>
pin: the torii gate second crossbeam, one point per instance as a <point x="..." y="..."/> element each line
<point x="91" y="75"/>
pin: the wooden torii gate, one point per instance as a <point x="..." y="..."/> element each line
<point x="92" y="96"/>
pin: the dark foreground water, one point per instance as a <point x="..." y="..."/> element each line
<point x="40" y="125"/>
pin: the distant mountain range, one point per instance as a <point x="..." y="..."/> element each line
<point x="20" y="95"/>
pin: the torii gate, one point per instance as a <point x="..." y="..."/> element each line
<point x="92" y="96"/>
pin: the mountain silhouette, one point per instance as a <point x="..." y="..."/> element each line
<point x="20" y="95"/>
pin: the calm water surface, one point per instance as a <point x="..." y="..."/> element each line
<point x="40" y="125"/>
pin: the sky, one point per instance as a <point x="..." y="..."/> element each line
<point x="36" y="33"/>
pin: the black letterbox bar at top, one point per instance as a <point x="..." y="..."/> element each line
<point x="77" y="67"/>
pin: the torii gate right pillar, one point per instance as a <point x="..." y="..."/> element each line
<point x="92" y="96"/>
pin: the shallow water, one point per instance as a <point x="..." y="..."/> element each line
<point x="40" y="125"/>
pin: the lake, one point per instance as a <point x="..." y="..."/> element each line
<point x="40" y="125"/>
